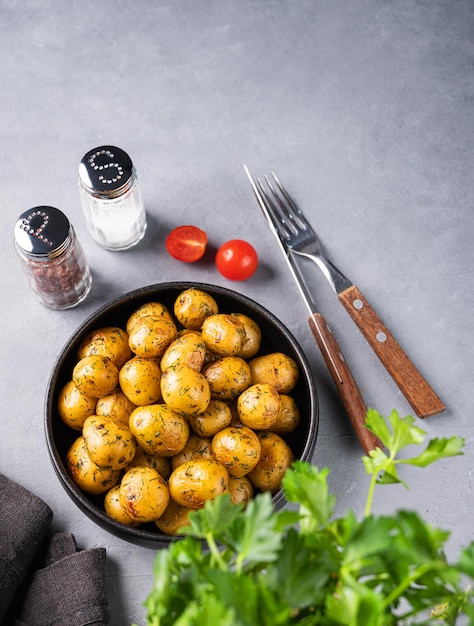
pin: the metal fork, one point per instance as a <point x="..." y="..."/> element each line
<point x="297" y="237"/>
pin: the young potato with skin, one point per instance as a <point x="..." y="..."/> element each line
<point x="275" y="458"/>
<point x="74" y="407"/>
<point x="85" y="473"/>
<point x="253" y="336"/>
<point x="224" y="334"/>
<point x="150" y="336"/>
<point x="174" y="518"/>
<point x="188" y="349"/>
<point x="110" y="341"/>
<point x="289" y="416"/>
<point x="185" y="390"/>
<point x="240" y="490"/>
<point x="116" y="406"/>
<point x="276" y="369"/>
<point x="114" y="509"/>
<point x="259" y="406"/>
<point x="193" y="306"/>
<point x="237" y="449"/>
<point x="109" y="444"/>
<point x="162" y="464"/>
<point x="95" y="375"/>
<point x="143" y="494"/>
<point x="196" y="481"/>
<point x="140" y="380"/>
<point x="159" y="430"/>
<point x="228" y="377"/>
<point x="149" y="309"/>
<point x="217" y="416"/>
<point x="196" y="448"/>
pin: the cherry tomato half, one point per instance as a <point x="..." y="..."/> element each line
<point x="186" y="243"/>
<point x="236" y="260"/>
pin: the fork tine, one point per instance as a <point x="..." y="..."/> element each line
<point x="277" y="219"/>
<point x="293" y="212"/>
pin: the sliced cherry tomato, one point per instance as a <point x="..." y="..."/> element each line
<point x="236" y="260"/>
<point x="186" y="243"/>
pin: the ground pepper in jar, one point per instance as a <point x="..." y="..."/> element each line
<point x="52" y="257"/>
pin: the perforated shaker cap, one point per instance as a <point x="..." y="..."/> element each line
<point x="42" y="233"/>
<point x="106" y="172"/>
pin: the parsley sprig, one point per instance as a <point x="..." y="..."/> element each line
<point x="261" y="567"/>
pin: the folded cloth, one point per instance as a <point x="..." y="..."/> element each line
<point x="68" y="589"/>
<point x="24" y="520"/>
<point x="45" y="581"/>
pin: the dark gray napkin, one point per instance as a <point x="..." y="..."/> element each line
<point x="24" y="520"/>
<point x="55" y="583"/>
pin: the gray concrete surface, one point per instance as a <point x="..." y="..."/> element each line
<point x="365" y="109"/>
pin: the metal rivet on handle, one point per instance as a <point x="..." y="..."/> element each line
<point x="358" y="304"/>
<point x="381" y="337"/>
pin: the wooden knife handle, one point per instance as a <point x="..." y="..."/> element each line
<point x="412" y="384"/>
<point x="345" y="383"/>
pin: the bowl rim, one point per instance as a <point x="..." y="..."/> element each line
<point x="141" y="536"/>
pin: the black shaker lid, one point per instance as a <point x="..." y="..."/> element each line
<point x="42" y="232"/>
<point x="106" y="171"/>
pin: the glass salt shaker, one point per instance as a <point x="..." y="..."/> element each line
<point x="52" y="257"/>
<point x="110" y="198"/>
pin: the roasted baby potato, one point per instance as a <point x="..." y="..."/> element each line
<point x="153" y="309"/>
<point x="95" y="375"/>
<point x="228" y="377"/>
<point x="110" y="341"/>
<point x="188" y="349"/>
<point x="116" y="406"/>
<point x="175" y="517"/>
<point x="85" y="473"/>
<point x="161" y="463"/>
<point x="185" y="390"/>
<point x="196" y="448"/>
<point x="193" y="306"/>
<point x="224" y="334"/>
<point x="259" y="406"/>
<point x="140" y="379"/>
<point x="194" y="482"/>
<point x="276" y="369"/>
<point x="289" y="416"/>
<point x="74" y="407"/>
<point x="253" y="336"/>
<point x="159" y="430"/>
<point x="109" y="444"/>
<point x="216" y="417"/>
<point x="237" y="449"/>
<point x="114" y="509"/>
<point x="240" y="490"/>
<point x="143" y="494"/>
<point x="150" y="336"/>
<point x="275" y="458"/>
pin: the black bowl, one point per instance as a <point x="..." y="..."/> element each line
<point x="275" y="337"/>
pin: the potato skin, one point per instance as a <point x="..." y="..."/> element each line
<point x="114" y="509"/>
<point x="275" y="458"/>
<point x="223" y="334"/>
<point x="194" y="482"/>
<point x="74" y="407"/>
<point x="259" y="406"/>
<point x="95" y="375"/>
<point x="174" y="518"/>
<point x="187" y="349"/>
<point x="240" y="490"/>
<point x="193" y="306"/>
<point x="289" y="416"/>
<point x="228" y="377"/>
<point x="276" y="369"/>
<point x="116" y="406"/>
<point x="151" y="336"/>
<point x="217" y="416"/>
<point x="110" y="341"/>
<point x="253" y="336"/>
<point x="149" y="309"/>
<point x="184" y="390"/>
<point x="237" y="449"/>
<point x="158" y="429"/>
<point x="162" y="464"/>
<point x="196" y="448"/>
<point x="109" y="444"/>
<point x="85" y="473"/>
<point x="140" y="380"/>
<point x="143" y="494"/>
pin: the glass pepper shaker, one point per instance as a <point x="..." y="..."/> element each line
<point x="52" y="257"/>
<point x="110" y="198"/>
